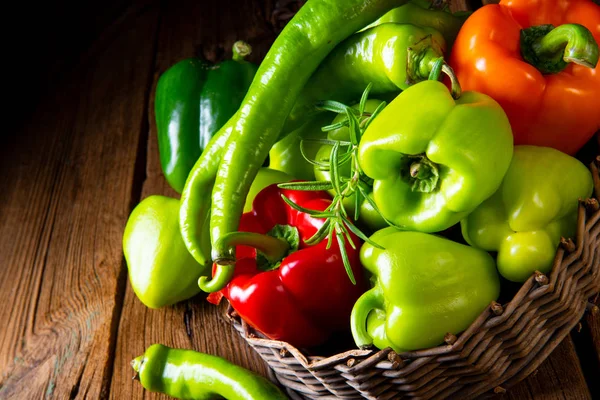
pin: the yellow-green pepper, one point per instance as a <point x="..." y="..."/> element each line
<point x="423" y="286"/>
<point x="427" y="13"/>
<point x="535" y="205"/>
<point x="286" y="155"/>
<point x="434" y="159"/>
<point x="161" y="270"/>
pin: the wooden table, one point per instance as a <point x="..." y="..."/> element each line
<point x="81" y="155"/>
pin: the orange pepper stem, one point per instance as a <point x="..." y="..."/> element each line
<point x="272" y="248"/>
<point x="551" y="49"/>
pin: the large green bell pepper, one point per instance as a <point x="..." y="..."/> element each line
<point x="424" y="13"/>
<point x="435" y="159"/>
<point x="535" y="205"/>
<point x="423" y="286"/>
<point x="193" y="100"/>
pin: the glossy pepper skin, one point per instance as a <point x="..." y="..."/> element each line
<point x="435" y="159"/>
<point x="423" y="286"/>
<point x="190" y="375"/>
<point x="424" y="13"/>
<point x="556" y="109"/>
<point x="161" y="270"/>
<point x="193" y="100"/>
<point x="308" y="296"/>
<point x="230" y="162"/>
<point x="390" y="56"/>
<point x="286" y="155"/>
<point x="535" y="205"/>
<point x="368" y="217"/>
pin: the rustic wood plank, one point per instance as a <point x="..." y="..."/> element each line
<point x="66" y="193"/>
<point x="559" y="377"/>
<point x="188" y="29"/>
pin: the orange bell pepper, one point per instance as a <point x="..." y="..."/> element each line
<point x="544" y="76"/>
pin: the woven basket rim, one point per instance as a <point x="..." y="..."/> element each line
<point x="536" y="286"/>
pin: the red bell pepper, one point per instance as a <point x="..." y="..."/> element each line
<point x="304" y="297"/>
<point x="538" y="59"/>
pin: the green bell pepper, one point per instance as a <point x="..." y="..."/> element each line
<point x="424" y="13"/>
<point x="286" y="156"/>
<point x="535" y="205"/>
<point x="423" y="286"/>
<point x="193" y="100"/>
<point x="161" y="270"/>
<point x="435" y="159"/>
<point x="368" y="217"/>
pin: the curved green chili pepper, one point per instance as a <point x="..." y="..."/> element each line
<point x="389" y="56"/>
<point x="426" y="13"/>
<point x="187" y="374"/>
<point x="298" y="50"/>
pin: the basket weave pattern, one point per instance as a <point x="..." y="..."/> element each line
<point x="501" y="347"/>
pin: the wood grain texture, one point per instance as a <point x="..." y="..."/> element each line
<point x="66" y="193"/>
<point x="195" y="324"/>
<point x="559" y="377"/>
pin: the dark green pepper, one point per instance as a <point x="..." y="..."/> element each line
<point x="193" y="101"/>
<point x="190" y="375"/>
<point x="427" y="13"/>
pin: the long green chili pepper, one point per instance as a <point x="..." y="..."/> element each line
<point x="187" y="374"/>
<point x="390" y="56"/>
<point x="297" y="52"/>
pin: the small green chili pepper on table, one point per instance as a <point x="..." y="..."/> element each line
<point x="190" y="375"/>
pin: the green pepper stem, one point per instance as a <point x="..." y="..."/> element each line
<point x="272" y="248"/>
<point x="439" y="66"/>
<point x="241" y="50"/>
<point x="420" y="173"/>
<point x="550" y="49"/>
<point x="136" y="363"/>
<point x="369" y="301"/>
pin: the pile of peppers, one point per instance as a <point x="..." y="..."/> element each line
<point x="381" y="134"/>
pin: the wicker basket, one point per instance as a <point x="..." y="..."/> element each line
<point x="501" y="347"/>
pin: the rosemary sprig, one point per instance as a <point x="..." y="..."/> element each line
<point x="337" y="222"/>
